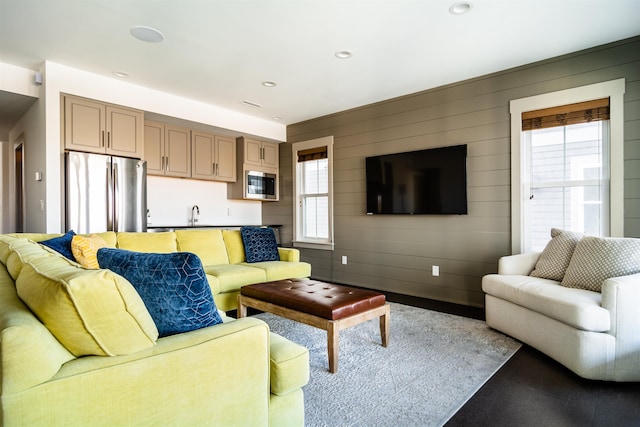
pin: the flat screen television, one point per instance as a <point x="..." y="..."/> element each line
<point x="432" y="181"/>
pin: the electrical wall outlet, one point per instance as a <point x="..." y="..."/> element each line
<point x="435" y="270"/>
<point x="344" y="259"/>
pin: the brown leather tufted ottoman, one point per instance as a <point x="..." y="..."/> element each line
<point x="323" y="305"/>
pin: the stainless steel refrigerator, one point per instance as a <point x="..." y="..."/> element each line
<point x="105" y="193"/>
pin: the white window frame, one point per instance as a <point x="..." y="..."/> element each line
<point x="614" y="90"/>
<point x="299" y="241"/>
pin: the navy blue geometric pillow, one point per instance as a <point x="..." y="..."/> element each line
<point x="260" y="244"/>
<point x="61" y="244"/>
<point x="173" y="287"/>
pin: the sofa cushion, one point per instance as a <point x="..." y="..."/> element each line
<point x="31" y="355"/>
<point x="232" y="276"/>
<point x="207" y="244"/>
<point x="23" y="250"/>
<point x="260" y="244"/>
<point x="599" y="258"/>
<point x="110" y="237"/>
<point x="61" y="244"/>
<point x="278" y="270"/>
<point x="555" y="257"/>
<point x="148" y="242"/>
<point x="91" y="312"/>
<point x="5" y="248"/>
<point x="85" y="250"/>
<point x="173" y="286"/>
<point x="235" y="246"/>
<point x="576" y="307"/>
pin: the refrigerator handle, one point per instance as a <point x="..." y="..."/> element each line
<point x="109" y="194"/>
<point x="116" y="194"/>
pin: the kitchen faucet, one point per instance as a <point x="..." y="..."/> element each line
<point x="195" y="211"/>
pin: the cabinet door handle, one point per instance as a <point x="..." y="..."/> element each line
<point x="102" y="140"/>
<point x="213" y="169"/>
<point x="108" y="139"/>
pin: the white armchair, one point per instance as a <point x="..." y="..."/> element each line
<point x="595" y="334"/>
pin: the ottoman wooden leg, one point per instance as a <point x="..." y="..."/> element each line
<point x="384" y="326"/>
<point x="242" y="309"/>
<point x="333" y="342"/>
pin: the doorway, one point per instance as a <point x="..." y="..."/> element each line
<point x="19" y="188"/>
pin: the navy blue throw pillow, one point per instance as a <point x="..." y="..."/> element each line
<point x="260" y="244"/>
<point x="61" y="244"/>
<point x="173" y="286"/>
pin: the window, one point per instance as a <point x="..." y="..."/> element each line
<point x="567" y="168"/>
<point x="568" y="181"/>
<point x="313" y="189"/>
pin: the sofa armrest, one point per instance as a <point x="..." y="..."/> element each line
<point x="289" y="254"/>
<point x="621" y="296"/>
<point x="520" y="264"/>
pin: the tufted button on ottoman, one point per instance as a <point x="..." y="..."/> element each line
<point x="319" y="304"/>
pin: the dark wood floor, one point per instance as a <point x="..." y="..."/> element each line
<point x="531" y="389"/>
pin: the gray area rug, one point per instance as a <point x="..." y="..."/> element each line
<point x="434" y="363"/>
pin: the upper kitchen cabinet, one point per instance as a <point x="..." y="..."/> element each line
<point x="213" y="157"/>
<point x="167" y="149"/>
<point x="98" y="127"/>
<point x="258" y="153"/>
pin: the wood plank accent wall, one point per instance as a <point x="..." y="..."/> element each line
<point x="395" y="253"/>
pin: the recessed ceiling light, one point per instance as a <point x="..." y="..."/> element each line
<point x="460" y="8"/>
<point x="277" y="118"/>
<point x="147" y="34"/>
<point x="343" y="54"/>
<point x="251" y="104"/>
<point x="269" y="84"/>
<point x="120" y="74"/>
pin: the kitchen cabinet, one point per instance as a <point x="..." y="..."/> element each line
<point x="102" y="128"/>
<point x="258" y="153"/>
<point x="167" y="149"/>
<point x="213" y="157"/>
<point x="256" y="158"/>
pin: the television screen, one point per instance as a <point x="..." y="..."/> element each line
<point x="432" y="181"/>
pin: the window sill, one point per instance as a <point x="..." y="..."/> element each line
<point x="313" y="245"/>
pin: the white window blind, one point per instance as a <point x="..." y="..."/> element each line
<point x="315" y="198"/>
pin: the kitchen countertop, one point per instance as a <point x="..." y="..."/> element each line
<point x="187" y="227"/>
<point x="162" y="228"/>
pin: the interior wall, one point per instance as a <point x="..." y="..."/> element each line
<point x="3" y="179"/>
<point x="30" y="130"/>
<point x="15" y="80"/>
<point x="170" y="205"/>
<point x="396" y="253"/>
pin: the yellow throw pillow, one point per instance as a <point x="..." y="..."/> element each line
<point x="91" y="312"/>
<point x="85" y="250"/>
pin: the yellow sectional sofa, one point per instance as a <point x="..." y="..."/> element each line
<point x="222" y="254"/>
<point x="78" y="347"/>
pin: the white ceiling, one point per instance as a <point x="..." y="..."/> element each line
<point x="220" y="51"/>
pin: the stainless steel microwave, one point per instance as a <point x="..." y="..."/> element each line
<point x="261" y="185"/>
